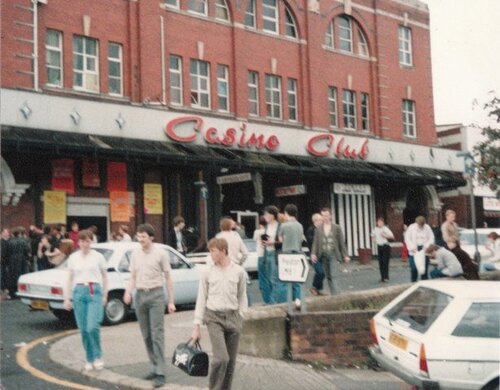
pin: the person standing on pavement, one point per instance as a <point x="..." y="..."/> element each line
<point x="19" y="255"/>
<point x="176" y="237"/>
<point x="418" y="237"/>
<point x="381" y="234"/>
<point x="291" y="236"/>
<point x="4" y="283"/>
<point x="449" y="228"/>
<point x="220" y="305"/>
<point x="88" y="287"/>
<point x="149" y="267"/>
<point x="270" y="243"/>
<point x="319" y="272"/>
<point x="329" y="249"/>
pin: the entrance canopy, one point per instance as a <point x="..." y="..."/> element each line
<point x="54" y="143"/>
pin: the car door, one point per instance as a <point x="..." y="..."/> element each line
<point x="185" y="278"/>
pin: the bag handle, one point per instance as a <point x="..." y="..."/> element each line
<point x="196" y="344"/>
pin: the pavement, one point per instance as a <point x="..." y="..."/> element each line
<point x="126" y="362"/>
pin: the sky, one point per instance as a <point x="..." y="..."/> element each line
<point x="465" y="43"/>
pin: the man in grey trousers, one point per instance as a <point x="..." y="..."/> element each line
<point x="148" y="266"/>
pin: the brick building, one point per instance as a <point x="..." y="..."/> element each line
<point x="213" y="107"/>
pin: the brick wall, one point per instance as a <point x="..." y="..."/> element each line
<point x="336" y="338"/>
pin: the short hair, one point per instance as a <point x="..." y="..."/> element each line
<point x="432" y="248"/>
<point x="325" y="209"/>
<point x="262" y="221"/>
<point x="273" y="210"/>
<point x="85" y="234"/>
<point x="493" y="235"/>
<point x="420" y="220"/>
<point x="124" y="228"/>
<point x="66" y="246"/>
<point x="178" y="220"/>
<point x="381" y="219"/>
<point x="291" y="210"/>
<point x="226" y="224"/>
<point x="146" y="228"/>
<point x="18" y="230"/>
<point x="449" y="212"/>
<point x="220" y="244"/>
<point x="316" y="217"/>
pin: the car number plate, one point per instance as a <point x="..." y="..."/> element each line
<point x="398" y="340"/>
<point x="40" y="305"/>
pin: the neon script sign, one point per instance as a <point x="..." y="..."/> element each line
<point x="322" y="145"/>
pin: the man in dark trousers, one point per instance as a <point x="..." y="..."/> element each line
<point x="176" y="237"/>
<point x="5" y="264"/>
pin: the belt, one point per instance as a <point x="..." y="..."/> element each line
<point x="90" y="285"/>
<point x="149" y="289"/>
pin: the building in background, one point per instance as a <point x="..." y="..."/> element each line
<point x="462" y="139"/>
<point x="136" y="111"/>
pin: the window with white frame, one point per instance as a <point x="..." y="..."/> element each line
<point x="253" y="93"/>
<point x="292" y="100"/>
<point x="290" y="25"/>
<point x="365" y="112"/>
<point x="270" y="16"/>
<point x="273" y="96"/>
<point x="115" y="69"/>
<point x="85" y="64"/>
<point x="362" y="45"/>
<point x="172" y="3"/>
<point x="175" y="72"/>
<point x="329" y="36"/>
<point x="250" y="14"/>
<point x="345" y="33"/>
<point x="198" y="6"/>
<point x="221" y="10"/>
<point x="332" y="106"/>
<point x="53" y="58"/>
<point x="409" y="118"/>
<point x="405" y="49"/>
<point x="200" y="84"/>
<point x="349" y="109"/>
<point x="223" y="87"/>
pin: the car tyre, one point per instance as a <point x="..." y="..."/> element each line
<point x="64" y="316"/>
<point x="115" y="310"/>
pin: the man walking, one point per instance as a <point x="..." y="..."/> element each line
<point x="329" y="248"/>
<point x="148" y="266"/>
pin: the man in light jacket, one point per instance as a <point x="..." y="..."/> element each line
<point x="447" y="262"/>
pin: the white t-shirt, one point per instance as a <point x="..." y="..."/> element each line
<point x="87" y="268"/>
<point x="380" y="235"/>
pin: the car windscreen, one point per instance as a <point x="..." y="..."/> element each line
<point x="467" y="238"/>
<point x="420" y="309"/>
<point x="105" y="252"/>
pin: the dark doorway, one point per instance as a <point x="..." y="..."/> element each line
<point x="86" y="222"/>
<point x="416" y="204"/>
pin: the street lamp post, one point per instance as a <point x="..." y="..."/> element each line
<point x="469" y="171"/>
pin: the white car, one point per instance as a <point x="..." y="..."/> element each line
<point x="441" y="334"/>
<point x="44" y="290"/>
<point x="467" y="242"/>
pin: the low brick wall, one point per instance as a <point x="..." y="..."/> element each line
<point x="334" y="338"/>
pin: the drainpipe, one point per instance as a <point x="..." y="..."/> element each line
<point x="162" y="50"/>
<point x="35" y="44"/>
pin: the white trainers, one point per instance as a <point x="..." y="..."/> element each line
<point x="88" y="367"/>
<point x="297" y="303"/>
<point x="98" y="364"/>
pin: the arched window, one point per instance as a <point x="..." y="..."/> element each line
<point x="198" y="6"/>
<point x="362" y="45"/>
<point x="290" y="25"/>
<point x="329" y="36"/>
<point x="345" y="33"/>
<point x="221" y="10"/>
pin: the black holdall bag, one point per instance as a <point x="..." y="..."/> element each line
<point x="191" y="359"/>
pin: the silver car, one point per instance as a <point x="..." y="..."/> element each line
<point x="44" y="290"/>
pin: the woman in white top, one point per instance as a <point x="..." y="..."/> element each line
<point x="381" y="234"/>
<point x="88" y="286"/>
<point x="419" y="236"/>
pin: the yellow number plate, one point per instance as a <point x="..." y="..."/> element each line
<point x="40" y="305"/>
<point x="398" y="341"/>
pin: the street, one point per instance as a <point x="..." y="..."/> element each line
<point x="19" y="325"/>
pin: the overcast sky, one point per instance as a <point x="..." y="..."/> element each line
<point x="465" y="38"/>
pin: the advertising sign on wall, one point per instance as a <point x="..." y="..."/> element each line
<point x="54" y="207"/>
<point x="120" y="206"/>
<point x="62" y="176"/>
<point x="153" y="199"/>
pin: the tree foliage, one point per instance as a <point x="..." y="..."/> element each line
<point x="487" y="152"/>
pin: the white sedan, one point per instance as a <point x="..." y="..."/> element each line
<point x="44" y="290"/>
<point x="441" y="334"/>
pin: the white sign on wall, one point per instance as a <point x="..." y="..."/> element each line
<point x="351" y="189"/>
<point x="298" y="189"/>
<point x="236" y="178"/>
<point x="491" y="204"/>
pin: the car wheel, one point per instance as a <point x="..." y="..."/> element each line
<point x="115" y="310"/>
<point x="64" y="315"/>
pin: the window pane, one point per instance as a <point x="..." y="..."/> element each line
<point x="115" y="86"/>
<point x="53" y="58"/>
<point x="91" y="64"/>
<point x="78" y="62"/>
<point x="221" y="11"/>
<point x="78" y="44"/>
<point x="174" y="62"/>
<point x="481" y="320"/>
<point x="250" y="14"/>
<point x="52" y="38"/>
<point x="114" y="69"/>
<point x="78" y="79"/>
<point x="54" y="76"/>
<point x="172" y="3"/>
<point x="198" y="6"/>
<point x="114" y="50"/>
<point x="90" y="46"/>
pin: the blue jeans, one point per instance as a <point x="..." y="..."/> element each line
<point x="319" y="275"/>
<point x="89" y="312"/>
<point x="413" y="267"/>
<point x="280" y="289"/>
<point x="265" y="269"/>
<point x="436" y="273"/>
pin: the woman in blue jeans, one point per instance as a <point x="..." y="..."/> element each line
<point x="88" y="286"/>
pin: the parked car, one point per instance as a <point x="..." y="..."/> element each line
<point x="467" y="241"/>
<point x="44" y="290"/>
<point x="441" y="334"/>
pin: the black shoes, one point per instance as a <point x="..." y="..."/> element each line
<point x="150" y="376"/>
<point x="159" y="381"/>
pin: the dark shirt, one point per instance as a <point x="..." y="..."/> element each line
<point x="468" y="266"/>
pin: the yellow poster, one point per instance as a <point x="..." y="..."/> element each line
<point x="120" y="206"/>
<point x="153" y="200"/>
<point x="54" y="207"/>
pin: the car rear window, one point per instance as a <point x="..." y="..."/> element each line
<point x="420" y="309"/>
<point x="105" y="252"/>
<point x="481" y="320"/>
